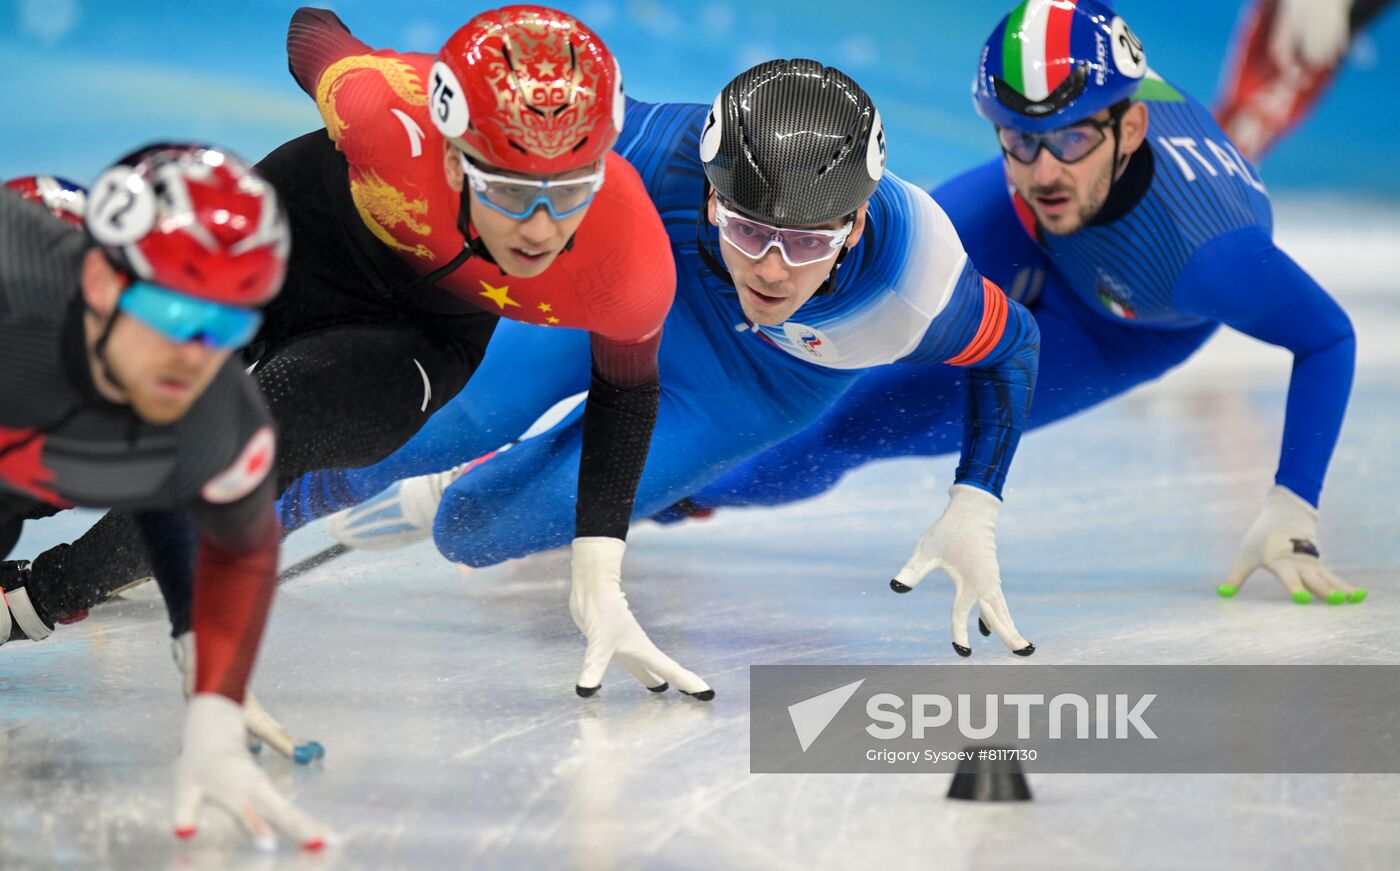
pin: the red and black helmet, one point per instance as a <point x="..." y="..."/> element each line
<point x="65" y="199"/>
<point x="528" y="88"/>
<point x="193" y="219"/>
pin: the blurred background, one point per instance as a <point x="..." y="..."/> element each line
<point x="86" y="81"/>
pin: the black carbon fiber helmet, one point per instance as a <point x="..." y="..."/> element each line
<point x="793" y="143"/>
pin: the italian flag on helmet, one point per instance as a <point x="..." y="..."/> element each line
<point x="1051" y="63"/>
<point x="1036" y="56"/>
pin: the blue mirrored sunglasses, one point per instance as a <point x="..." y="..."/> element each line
<point x="518" y="198"/>
<point x="183" y="318"/>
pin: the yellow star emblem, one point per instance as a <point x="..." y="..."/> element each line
<point x="499" y="295"/>
<point x="552" y="320"/>
<point x="546" y="307"/>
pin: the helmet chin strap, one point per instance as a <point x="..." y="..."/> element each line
<point x="1120" y="160"/>
<point x="829" y="286"/>
<point x="99" y="349"/>
<point x="711" y="261"/>
<point x="472" y="246"/>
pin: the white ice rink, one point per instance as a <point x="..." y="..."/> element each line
<point x="445" y="699"/>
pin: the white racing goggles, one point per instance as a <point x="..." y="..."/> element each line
<point x="798" y="247"/>
<point x="518" y="198"/>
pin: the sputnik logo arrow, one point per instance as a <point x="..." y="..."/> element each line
<point x="811" y="717"/>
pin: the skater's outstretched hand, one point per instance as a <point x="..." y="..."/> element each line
<point x="1282" y="541"/>
<point x="963" y="543"/>
<point x="600" y="611"/>
<point x="215" y="766"/>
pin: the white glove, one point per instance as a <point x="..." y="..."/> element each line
<point x="1314" y="33"/>
<point x="1282" y="541"/>
<point x="963" y="543"/>
<point x="600" y="611"/>
<point x="262" y="727"/>
<point x="216" y="766"/>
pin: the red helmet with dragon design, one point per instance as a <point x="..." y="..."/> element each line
<point x="529" y="89"/>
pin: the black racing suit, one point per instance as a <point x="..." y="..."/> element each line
<point x="199" y="488"/>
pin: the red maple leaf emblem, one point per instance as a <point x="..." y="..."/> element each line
<point x="23" y="467"/>
<point x="258" y="462"/>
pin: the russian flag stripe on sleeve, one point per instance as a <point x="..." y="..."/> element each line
<point x="989" y="332"/>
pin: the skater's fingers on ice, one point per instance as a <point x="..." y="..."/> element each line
<point x="914" y="571"/>
<point x="293" y="822"/>
<point x="240" y="806"/>
<point x="188" y="797"/>
<point x="1334" y="583"/>
<point x="1323" y="584"/>
<point x="1239" y="573"/>
<point x="997" y="616"/>
<point x="982" y="626"/>
<point x="595" y="661"/>
<point x="648" y="678"/>
<point x="994" y="605"/>
<point x="1287" y="574"/>
<point x="962" y="613"/>
<point x="1353" y="593"/>
<point x="671" y="671"/>
<point x="684" y="680"/>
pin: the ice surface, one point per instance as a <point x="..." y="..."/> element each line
<point x="445" y="699"/>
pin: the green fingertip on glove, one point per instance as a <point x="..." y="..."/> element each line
<point x="1227" y="590"/>
<point x="1302" y="597"/>
<point x="1336" y="597"/>
<point x="1357" y="596"/>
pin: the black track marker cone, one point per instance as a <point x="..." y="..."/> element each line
<point x="989" y="779"/>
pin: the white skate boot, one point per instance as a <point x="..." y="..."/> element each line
<point x="401" y="515"/>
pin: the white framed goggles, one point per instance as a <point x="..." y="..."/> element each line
<point x="518" y="198"/>
<point x="798" y="247"/>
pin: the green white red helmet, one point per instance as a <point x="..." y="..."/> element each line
<point x="1052" y="63"/>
